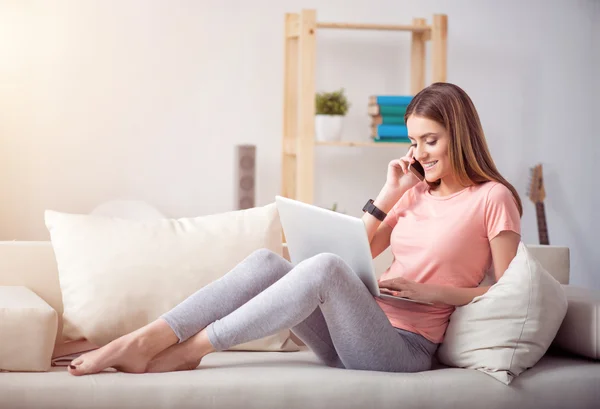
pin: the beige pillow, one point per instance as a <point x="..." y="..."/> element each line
<point x="118" y="275"/>
<point x="28" y="328"/>
<point x="509" y="328"/>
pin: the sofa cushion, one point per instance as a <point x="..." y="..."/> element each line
<point x="298" y="380"/>
<point x="510" y="327"/>
<point x="580" y="330"/>
<point x="28" y="328"/>
<point x="117" y="275"/>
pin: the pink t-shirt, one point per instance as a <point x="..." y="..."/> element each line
<point x="444" y="240"/>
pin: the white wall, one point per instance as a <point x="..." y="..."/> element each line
<point x="146" y="100"/>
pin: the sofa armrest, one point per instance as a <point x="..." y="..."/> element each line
<point x="580" y="329"/>
<point x="28" y="328"/>
<point x="555" y="259"/>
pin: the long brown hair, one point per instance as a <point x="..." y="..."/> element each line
<point x="451" y="107"/>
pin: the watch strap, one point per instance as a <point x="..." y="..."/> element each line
<point x="370" y="207"/>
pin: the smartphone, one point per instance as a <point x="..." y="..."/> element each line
<point x="417" y="169"/>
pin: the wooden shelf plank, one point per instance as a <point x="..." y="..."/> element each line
<point x="385" y="27"/>
<point x="362" y="144"/>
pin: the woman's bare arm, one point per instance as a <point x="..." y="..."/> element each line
<point x="379" y="233"/>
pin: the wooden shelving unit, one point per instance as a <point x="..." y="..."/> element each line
<point x="298" y="145"/>
<point x="360" y="144"/>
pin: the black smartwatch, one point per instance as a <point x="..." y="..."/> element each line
<point x="374" y="210"/>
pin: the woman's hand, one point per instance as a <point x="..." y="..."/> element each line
<point x="398" y="175"/>
<point x="401" y="287"/>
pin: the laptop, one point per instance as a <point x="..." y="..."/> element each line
<point x="310" y="230"/>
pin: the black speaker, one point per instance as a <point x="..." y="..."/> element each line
<point x="245" y="176"/>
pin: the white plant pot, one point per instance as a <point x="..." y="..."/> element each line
<point x="328" y="127"/>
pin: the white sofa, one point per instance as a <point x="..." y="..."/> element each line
<point x="568" y="376"/>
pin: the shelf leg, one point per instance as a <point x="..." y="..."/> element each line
<point x="305" y="147"/>
<point x="290" y="106"/>
<point x="417" y="58"/>
<point x="439" y="39"/>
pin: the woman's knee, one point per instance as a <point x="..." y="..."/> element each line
<point x="329" y="264"/>
<point x="329" y="259"/>
<point x="263" y="254"/>
<point x="269" y="259"/>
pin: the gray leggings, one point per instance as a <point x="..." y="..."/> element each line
<point x="321" y="300"/>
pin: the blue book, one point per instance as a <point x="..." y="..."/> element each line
<point x="390" y="139"/>
<point x="390" y="99"/>
<point x="394" y="131"/>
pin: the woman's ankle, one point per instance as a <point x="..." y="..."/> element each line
<point x="202" y="343"/>
<point x="155" y="337"/>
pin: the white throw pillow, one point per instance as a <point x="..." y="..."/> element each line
<point x="118" y="275"/>
<point x="509" y="328"/>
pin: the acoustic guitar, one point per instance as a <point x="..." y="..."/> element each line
<point x="537" y="194"/>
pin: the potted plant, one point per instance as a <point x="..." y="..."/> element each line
<point x="331" y="107"/>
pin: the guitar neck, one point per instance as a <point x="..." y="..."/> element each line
<point x="540" y="212"/>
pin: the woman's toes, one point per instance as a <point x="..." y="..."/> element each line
<point x="76" y="370"/>
<point x="91" y="362"/>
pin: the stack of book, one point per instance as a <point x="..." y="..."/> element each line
<point x="387" y="117"/>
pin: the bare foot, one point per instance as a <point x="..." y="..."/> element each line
<point x="182" y="357"/>
<point x="129" y="353"/>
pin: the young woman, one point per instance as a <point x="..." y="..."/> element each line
<point x="444" y="232"/>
